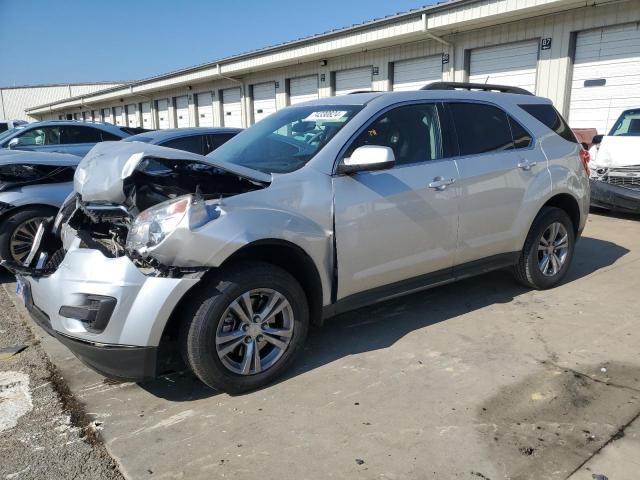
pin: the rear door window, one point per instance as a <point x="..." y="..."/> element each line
<point x="216" y="140"/>
<point x="191" y="144"/>
<point x="481" y="128"/>
<point x="76" y="134"/>
<point x="521" y="137"/>
<point x="549" y="116"/>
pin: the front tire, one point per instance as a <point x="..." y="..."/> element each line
<point x="245" y="327"/>
<point x="18" y="230"/>
<point x="548" y="250"/>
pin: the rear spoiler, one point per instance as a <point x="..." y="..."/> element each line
<point x="476" y="86"/>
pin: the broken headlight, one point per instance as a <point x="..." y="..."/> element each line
<point x="155" y="224"/>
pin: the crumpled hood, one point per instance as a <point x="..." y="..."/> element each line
<point x="617" y="152"/>
<point x="22" y="157"/>
<point x="101" y="173"/>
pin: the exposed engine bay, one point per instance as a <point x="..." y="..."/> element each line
<point x="161" y="196"/>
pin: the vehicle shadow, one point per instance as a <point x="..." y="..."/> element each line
<point x="380" y="326"/>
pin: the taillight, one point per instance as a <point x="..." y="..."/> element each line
<point x="585" y="157"/>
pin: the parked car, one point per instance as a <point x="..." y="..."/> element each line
<point x="195" y="140"/>
<point x="62" y="136"/>
<point x="9" y="124"/>
<point x="318" y="209"/>
<point x="615" y="167"/>
<point x="33" y="185"/>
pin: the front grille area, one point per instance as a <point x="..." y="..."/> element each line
<point x="627" y="182"/>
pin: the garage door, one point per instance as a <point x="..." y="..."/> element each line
<point x="146" y="115"/>
<point x="512" y="64"/>
<point x="204" y="102"/>
<point x="264" y="100"/>
<point x="96" y="115"/>
<point x="106" y="115"/>
<point x="606" y="76"/>
<point x="182" y="111"/>
<point x="303" y="89"/>
<point x="132" y="115"/>
<point x="119" y="115"/>
<point x="163" y="113"/>
<point x="87" y="117"/>
<point x="416" y="73"/>
<point x="348" y="81"/>
<point x="231" y="108"/>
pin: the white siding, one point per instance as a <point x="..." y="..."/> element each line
<point x="352" y="80"/>
<point x="147" y="121"/>
<point x="182" y="111"/>
<point x="415" y="73"/>
<point x="132" y="115"/>
<point x="163" y="113"/>
<point x="204" y="102"/>
<point x="611" y="55"/>
<point x="231" y="108"/>
<point x="264" y="100"/>
<point x="303" y="89"/>
<point x="513" y="64"/>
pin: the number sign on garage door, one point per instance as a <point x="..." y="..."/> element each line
<point x="231" y="108"/>
<point x="146" y="115"/>
<point x="132" y="115"/>
<point x="606" y="76"/>
<point x="163" y="113"/>
<point x="348" y="81"/>
<point x="415" y="73"/>
<point x="182" y="111"/>
<point x="204" y="101"/>
<point x="303" y="89"/>
<point x="264" y="100"/>
<point x="106" y="115"/>
<point x="513" y="64"/>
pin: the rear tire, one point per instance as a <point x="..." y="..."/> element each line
<point x="548" y="250"/>
<point x="17" y="231"/>
<point x="231" y="312"/>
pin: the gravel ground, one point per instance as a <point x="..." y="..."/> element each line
<point x="44" y="430"/>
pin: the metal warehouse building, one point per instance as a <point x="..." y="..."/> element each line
<point x="584" y="55"/>
<point x="15" y="100"/>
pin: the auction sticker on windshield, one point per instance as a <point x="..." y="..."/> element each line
<point x="327" y="115"/>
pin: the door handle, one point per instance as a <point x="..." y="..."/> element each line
<point x="440" y="183"/>
<point x="526" y="165"/>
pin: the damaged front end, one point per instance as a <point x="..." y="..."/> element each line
<point x="616" y="188"/>
<point x="131" y="199"/>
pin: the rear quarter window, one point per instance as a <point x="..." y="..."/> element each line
<point x="549" y="116"/>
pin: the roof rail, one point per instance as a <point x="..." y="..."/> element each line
<point x="476" y="86"/>
<point x="364" y="91"/>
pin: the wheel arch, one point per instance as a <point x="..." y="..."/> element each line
<point x="286" y="255"/>
<point x="569" y="204"/>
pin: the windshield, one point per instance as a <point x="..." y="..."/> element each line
<point x="286" y="140"/>
<point x="628" y="125"/>
<point x="9" y="132"/>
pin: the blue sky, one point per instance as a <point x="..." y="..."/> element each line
<point x="48" y="41"/>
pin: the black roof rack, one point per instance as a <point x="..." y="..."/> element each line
<point x="476" y="86"/>
<point x="364" y="91"/>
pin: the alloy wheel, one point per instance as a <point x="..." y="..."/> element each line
<point x="255" y="331"/>
<point x="23" y="237"/>
<point x="553" y="249"/>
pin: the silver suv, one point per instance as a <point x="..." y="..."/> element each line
<point x="318" y="209"/>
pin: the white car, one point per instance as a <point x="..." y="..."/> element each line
<point x="615" y="165"/>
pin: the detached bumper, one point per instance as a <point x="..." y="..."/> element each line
<point x="125" y="345"/>
<point x="614" y="197"/>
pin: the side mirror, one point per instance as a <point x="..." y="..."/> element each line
<point x="13" y="143"/>
<point x="368" y="158"/>
<point x="597" y="139"/>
